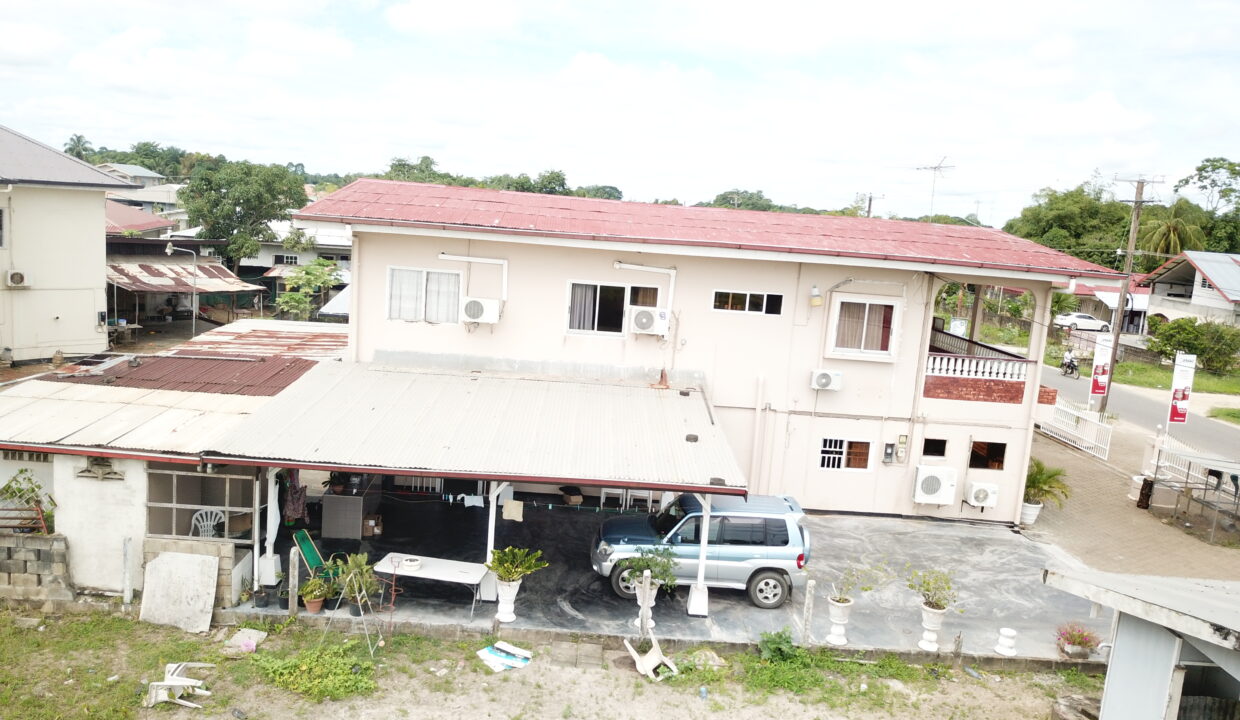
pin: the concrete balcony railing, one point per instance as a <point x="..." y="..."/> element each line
<point x="987" y="368"/>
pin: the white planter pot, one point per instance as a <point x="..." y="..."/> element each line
<point x="506" y="593"/>
<point x="838" y="612"/>
<point x="931" y="623"/>
<point x="1029" y="513"/>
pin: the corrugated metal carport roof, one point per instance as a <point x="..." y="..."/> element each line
<point x="488" y="426"/>
<point x="141" y="273"/>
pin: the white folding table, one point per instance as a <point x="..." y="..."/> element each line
<point x="432" y="568"/>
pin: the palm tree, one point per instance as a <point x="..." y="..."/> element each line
<point x="1173" y="234"/>
<point x="1044" y="483"/>
<point x="79" y="147"/>
<point x="1063" y="303"/>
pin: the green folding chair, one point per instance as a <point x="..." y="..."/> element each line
<point x="310" y="555"/>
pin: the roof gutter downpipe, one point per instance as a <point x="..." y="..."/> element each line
<point x="669" y="272"/>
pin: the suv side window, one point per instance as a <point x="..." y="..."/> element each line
<point x="689" y="530"/>
<point x="743" y="531"/>
<point x="776" y="532"/>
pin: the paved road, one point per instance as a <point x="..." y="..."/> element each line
<point x="1134" y="406"/>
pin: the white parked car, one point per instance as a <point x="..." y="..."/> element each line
<point x="1081" y="321"/>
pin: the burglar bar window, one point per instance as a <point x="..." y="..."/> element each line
<point x="844" y="454"/>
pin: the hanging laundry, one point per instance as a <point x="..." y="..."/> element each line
<point x="514" y="510"/>
<point x="295" y="499"/>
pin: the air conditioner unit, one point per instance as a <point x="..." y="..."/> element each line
<point x="479" y="310"/>
<point x="648" y="320"/>
<point x="826" y="380"/>
<point x="17" y="279"/>
<point x="936" y="485"/>
<point x="982" y="494"/>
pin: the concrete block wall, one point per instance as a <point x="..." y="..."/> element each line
<point x="225" y="551"/>
<point x="975" y="389"/>
<point x="34" y="567"/>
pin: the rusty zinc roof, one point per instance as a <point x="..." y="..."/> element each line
<point x="120" y="218"/>
<point x="262" y="376"/>
<point x="311" y="340"/>
<point x="142" y="273"/>
<point x="439" y="207"/>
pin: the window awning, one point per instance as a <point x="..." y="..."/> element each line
<point x="368" y="418"/>
<point x="141" y="273"/>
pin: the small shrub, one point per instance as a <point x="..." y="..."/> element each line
<point x="934" y="586"/>
<point x="777" y="646"/>
<point x="1077" y="634"/>
<point x="320" y="673"/>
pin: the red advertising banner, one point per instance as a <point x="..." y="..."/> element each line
<point x="1181" y="387"/>
<point x="1102" y="365"/>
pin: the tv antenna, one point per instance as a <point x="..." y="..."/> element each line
<point x="936" y="171"/>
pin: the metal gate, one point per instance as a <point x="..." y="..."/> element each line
<point x="1079" y="427"/>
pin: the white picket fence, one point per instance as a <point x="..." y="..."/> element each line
<point x="1080" y="427"/>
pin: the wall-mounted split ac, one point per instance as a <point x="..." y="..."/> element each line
<point x="982" y="494"/>
<point x="936" y="485"/>
<point x="480" y="310"/>
<point x="826" y="380"/>
<point x="648" y="320"/>
<point x="17" y="279"/>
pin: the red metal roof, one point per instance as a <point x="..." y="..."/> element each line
<point x="120" y="218"/>
<point x="156" y="273"/>
<point x="387" y="202"/>
<point x="229" y="376"/>
<point x="318" y="341"/>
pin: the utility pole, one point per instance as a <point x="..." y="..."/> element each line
<point x="1121" y="306"/>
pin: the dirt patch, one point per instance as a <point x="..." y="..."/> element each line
<point x="1202" y="524"/>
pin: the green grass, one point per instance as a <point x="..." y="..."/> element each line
<point x="1229" y="414"/>
<point x="1077" y="680"/>
<point x="1152" y="376"/>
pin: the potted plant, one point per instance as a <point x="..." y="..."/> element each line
<point x="937" y="594"/>
<point x="262" y="597"/>
<point x="1042" y="483"/>
<point x="358" y="580"/>
<point x="854" y="579"/>
<point x="510" y="565"/>
<point x="315" y="592"/>
<point x="1076" y="641"/>
<point x="661" y="563"/>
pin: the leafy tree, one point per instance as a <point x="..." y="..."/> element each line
<point x="298" y="240"/>
<point x="1086" y="222"/>
<point x="606" y="192"/>
<point x="741" y="200"/>
<point x="196" y="161"/>
<point x="1173" y="230"/>
<point x="670" y="201"/>
<point x="234" y="203"/>
<point x="552" y="182"/>
<point x="422" y="171"/>
<point x="306" y="285"/>
<point x="519" y="183"/>
<point x="1214" y="344"/>
<point x="79" y="147"/>
<point x="1223" y="232"/>
<point x="1218" y="179"/>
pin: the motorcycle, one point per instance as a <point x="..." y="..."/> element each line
<point x="1070" y="369"/>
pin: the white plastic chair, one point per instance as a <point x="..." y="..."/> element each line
<point x="204" y="521"/>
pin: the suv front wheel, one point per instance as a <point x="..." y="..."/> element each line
<point x="623" y="583"/>
<point x="768" y="589"/>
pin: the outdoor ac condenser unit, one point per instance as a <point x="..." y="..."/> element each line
<point x="479" y="310"/>
<point x="982" y="494"/>
<point x="826" y="380"/>
<point x="936" y="485"/>
<point x="648" y="320"/>
<point x="17" y="279"/>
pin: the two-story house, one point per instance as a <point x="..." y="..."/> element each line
<point x="1199" y="284"/>
<point x="51" y="251"/>
<point x="813" y="337"/>
<point x="132" y="174"/>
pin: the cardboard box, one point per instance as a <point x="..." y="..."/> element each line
<point x="572" y="494"/>
<point x="372" y="525"/>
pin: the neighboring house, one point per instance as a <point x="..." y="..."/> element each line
<point x="329" y="244"/>
<point x="1101" y="300"/>
<point x="128" y="221"/>
<point x="1176" y="646"/>
<point x="51" y="251"/>
<point x="1198" y="284"/>
<point x="811" y="336"/>
<point x="132" y="174"/>
<point x="162" y="200"/>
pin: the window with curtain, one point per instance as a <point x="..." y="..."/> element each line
<point x="840" y="454"/>
<point x="865" y="327"/>
<point x="423" y="296"/>
<point x="599" y="308"/>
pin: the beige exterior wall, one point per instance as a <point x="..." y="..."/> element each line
<point x="97" y="516"/>
<point x="755" y="367"/>
<point x="55" y="236"/>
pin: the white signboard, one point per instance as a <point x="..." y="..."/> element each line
<point x="1181" y="387"/>
<point x="1102" y="365"/>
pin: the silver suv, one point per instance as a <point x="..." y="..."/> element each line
<point x="758" y="544"/>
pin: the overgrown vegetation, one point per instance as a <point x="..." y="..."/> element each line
<point x="1214" y="344"/>
<point x="328" y="672"/>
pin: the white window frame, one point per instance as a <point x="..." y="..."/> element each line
<point x="624" y="322"/>
<point x="388" y="293"/>
<point x="283" y="259"/>
<point x="782" y="303"/>
<point x="893" y="345"/>
<point x="843" y="449"/>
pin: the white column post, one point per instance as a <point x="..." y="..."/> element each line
<point x="488" y="589"/>
<point x="698" y="595"/>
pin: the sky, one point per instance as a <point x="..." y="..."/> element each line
<point x="810" y="102"/>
